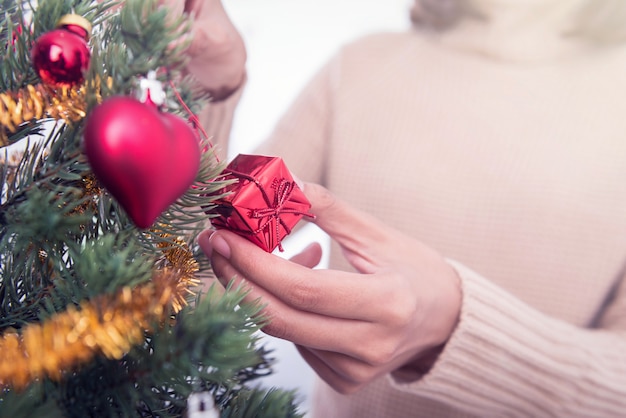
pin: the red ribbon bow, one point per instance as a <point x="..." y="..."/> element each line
<point x="275" y="207"/>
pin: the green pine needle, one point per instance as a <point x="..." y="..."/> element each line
<point x="62" y="243"/>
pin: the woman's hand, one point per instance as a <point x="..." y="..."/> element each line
<point x="217" y="51"/>
<point x="401" y="306"/>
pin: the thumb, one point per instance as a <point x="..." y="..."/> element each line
<point x="358" y="233"/>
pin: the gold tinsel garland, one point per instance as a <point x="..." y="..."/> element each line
<point x="39" y="101"/>
<point x="179" y="257"/>
<point x="108" y="325"/>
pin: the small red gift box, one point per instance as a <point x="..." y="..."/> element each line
<point x="264" y="204"/>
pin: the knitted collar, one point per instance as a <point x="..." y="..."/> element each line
<point x="526" y="31"/>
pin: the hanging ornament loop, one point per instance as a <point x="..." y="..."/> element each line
<point x="76" y="24"/>
<point x="195" y="122"/>
<point x="151" y="90"/>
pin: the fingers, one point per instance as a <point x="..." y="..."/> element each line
<point x="363" y="238"/>
<point x="322" y="292"/>
<point x="326" y="373"/>
<point x="343" y="373"/>
<point x="301" y="327"/>
<point x="218" y="53"/>
<point x="348" y="374"/>
<point x="338" y="218"/>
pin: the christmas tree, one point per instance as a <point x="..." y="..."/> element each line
<point x="101" y="312"/>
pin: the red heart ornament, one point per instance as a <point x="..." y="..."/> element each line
<point x="145" y="158"/>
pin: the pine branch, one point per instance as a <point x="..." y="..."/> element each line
<point x="15" y="67"/>
<point x="32" y="403"/>
<point x="66" y="243"/>
<point x="262" y="404"/>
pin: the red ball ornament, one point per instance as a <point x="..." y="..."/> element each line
<point x="61" y="57"/>
<point x="144" y="157"/>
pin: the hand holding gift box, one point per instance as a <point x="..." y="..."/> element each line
<point x="264" y="204"/>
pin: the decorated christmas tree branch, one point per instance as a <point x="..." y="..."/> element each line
<point x="98" y="315"/>
<point x="109" y="325"/>
<point x="42" y="101"/>
<point x="32" y="173"/>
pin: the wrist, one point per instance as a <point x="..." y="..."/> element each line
<point x="419" y="366"/>
<point x="447" y="317"/>
<point x="447" y="306"/>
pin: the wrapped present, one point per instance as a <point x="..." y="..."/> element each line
<point x="264" y="204"/>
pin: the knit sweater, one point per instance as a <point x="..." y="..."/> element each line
<point x="512" y="165"/>
<point x="510" y="160"/>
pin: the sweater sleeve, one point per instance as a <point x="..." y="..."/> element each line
<point x="507" y="359"/>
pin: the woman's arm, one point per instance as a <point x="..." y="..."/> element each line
<point x="498" y="356"/>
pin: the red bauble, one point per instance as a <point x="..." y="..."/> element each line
<point x="61" y="57"/>
<point x="144" y="157"/>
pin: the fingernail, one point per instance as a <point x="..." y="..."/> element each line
<point x="204" y="241"/>
<point x="219" y="245"/>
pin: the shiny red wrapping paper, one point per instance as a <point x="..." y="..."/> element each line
<point x="264" y="204"/>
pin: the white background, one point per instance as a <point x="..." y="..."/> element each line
<point x="287" y="42"/>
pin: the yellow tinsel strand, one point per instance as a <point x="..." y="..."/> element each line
<point x="180" y="259"/>
<point x="109" y="325"/>
<point x="39" y="101"/>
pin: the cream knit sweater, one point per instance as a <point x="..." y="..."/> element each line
<point x="507" y="155"/>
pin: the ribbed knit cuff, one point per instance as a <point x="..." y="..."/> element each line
<point x="507" y="359"/>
